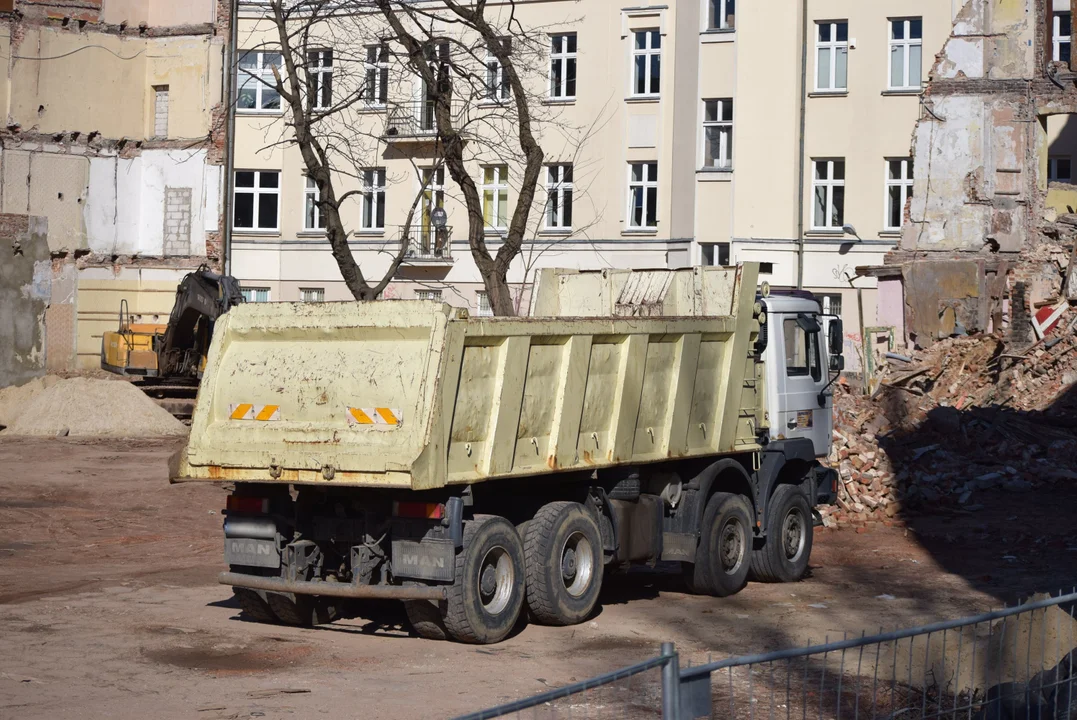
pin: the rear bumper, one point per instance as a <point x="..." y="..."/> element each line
<point x="328" y="589"/>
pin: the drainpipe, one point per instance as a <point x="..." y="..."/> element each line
<point x="230" y="140"/>
<point x="800" y="158"/>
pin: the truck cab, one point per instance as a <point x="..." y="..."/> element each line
<point x="801" y="349"/>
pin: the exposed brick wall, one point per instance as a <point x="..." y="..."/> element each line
<point x="12" y="225"/>
<point x="177" y="221"/>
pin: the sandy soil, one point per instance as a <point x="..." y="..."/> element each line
<point x="110" y="607"/>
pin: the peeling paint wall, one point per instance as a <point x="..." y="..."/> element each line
<point x="25" y="283"/>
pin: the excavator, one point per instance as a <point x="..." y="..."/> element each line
<point x="174" y="353"/>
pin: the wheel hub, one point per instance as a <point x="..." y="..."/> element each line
<point x="731" y="548"/>
<point x="793" y="535"/>
<point x="577" y="564"/>
<point x="496" y="579"/>
<point x="568" y="565"/>
<point x="488" y="581"/>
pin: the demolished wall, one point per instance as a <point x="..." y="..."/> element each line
<point x="25" y="274"/>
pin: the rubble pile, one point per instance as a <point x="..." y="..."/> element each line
<point x="967" y="415"/>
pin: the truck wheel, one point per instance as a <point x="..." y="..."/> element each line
<point x="563" y="558"/>
<point x="486" y="596"/>
<point x="723" y="555"/>
<point x="784" y="557"/>
<point x="425" y="618"/>
<point x="301" y="610"/>
<point x="254" y="605"/>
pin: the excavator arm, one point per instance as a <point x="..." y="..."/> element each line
<point x="201" y="298"/>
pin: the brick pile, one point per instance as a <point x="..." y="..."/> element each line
<point x="967" y="415"/>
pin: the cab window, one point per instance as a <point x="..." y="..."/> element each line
<point x="802" y="348"/>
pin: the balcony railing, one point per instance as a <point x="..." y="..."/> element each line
<point x="417" y="119"/>
<point x="426" y="243"/>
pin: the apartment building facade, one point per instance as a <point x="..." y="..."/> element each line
<point x="696" y="132"/>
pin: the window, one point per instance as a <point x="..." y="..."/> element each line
<point x="646" y="62"/>
<point x="828" y="188"/>
<point x="257" y="88"/>
<point x="376" y="87"/>
<point x="905" y="49"/>
<point x="715" y="254"/>
<point x="312" y="294"/>
<point x="831" y="304"/>
<point x="898" y="190"/>
<point x="802" y="347"/>
<point x="256" y="203"/>
<point x="160" y="111"/>
<point x="482" y="301"/>
<point x="559" y="197"/>
<point x="718" y="134"/>
<point x="497" y="85"/>
<point x="495" y="196"/>
<point x="373" y="199"/>
<point x="320" y="78"/>
<point x="563" y="66"/>
<point x="1058" y="169"/>
<point x="313" y="219"/>
<point x="1062" y="36"/>
<point x="255" y="294"/>
<point x="720" y="14"/>
<point x="766" y="268"/>
<point x="643" y="196"/>
<point x="434" y="295"/>
<point x="831" y="56"/>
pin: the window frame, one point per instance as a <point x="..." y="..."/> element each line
<point x="558" y="187"/>
<point x="257" y="191"/>
<point x="317" y="72"/>
<point x="318" y="293"/>
<point x="248" y="294"/>
<point x="650" y="53"/>
<point x="259" y="81"/>
<point x="832" y="47"/>
<point x="311" y="196"/>
<point x="722" y="25"/>
<point x="904" y="182"/>
<point x="907" y="43"/>
<point x="373" y="195"/>
<point x="1057" y="37"/>
<point x="378" y="96"/>
<point x="568" y="59"/>
<point x="483" y="308"/>
<point x="499" y="184"/>
<point x="434" y="294"/>
<point x="813" y="370"/>
<point x="720" y="124"/>
<point x="829" y="182"/>
<point x="1052" y="169"/>
<point x="496" y="89"/>
<point x="643" y="185"/>
<point x="161" y="101"/>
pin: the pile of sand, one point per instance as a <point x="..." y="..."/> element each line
<point x="15" y="398"/>
<point x="81" y="407"/>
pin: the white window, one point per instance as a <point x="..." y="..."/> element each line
<point x="720" y="14"/>
<point x="160" y="111"/>
<point x="828" y="190"/>
<point x="482" y="300"/>
<point x="831" y="303"/>
<point x="906" y="38"/>
<point x="312" y="294"/>
<point x="434" y="295"/>
<point x="376" y="87"/>
<point x="320" y="78"/>
<point x="718" y="134"/>
<point x="715" y="254"/>
<point x="495" y="196"/>
<point x="1061" y="37"/>
<point x="256" y="205"/>
<point x="563" y="66"/>
<point x="898" y="190"/>
<point x="373" y="199"/>
<point x="643" y="196"/>
<point x="257" y="88"/>
<point x="1058" y="169"/>
<point x="831" y="56"/>
<point x="255" y="294"/>
<point x="313" y="219"/>
<point x="497" y="85"/>
<point x="559" y="197"/>
<point x="646" y="62"/>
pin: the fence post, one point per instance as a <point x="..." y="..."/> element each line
<point x="671" y="684"/>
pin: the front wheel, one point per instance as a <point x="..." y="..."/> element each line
<point x="784" y="557"/>
<point x="722" y="558"/>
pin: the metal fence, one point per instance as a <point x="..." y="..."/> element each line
<point x="1009" y="664"/>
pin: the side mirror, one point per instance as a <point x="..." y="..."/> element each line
<point x="837" y="363"/>
<point x="836" y="339"/>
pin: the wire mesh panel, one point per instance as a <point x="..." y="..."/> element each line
<point x="638" y="697"/>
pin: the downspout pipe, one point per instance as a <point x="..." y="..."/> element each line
<point x="800" y="158"/>
<point x="230" y="140"/>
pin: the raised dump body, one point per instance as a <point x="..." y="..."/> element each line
<point x="416" y="394"/>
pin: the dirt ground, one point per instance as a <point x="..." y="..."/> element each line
<point x="110" y="606"/>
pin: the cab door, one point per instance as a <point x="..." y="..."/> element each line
<point x="801" y="378"/>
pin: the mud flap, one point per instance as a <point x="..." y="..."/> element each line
<point x="425" y="560"/>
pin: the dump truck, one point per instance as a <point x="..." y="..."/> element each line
<point x="475" y="466"/>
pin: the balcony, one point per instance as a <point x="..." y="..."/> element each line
<point x="415" y="121"/>
<point x="426" y="245"/>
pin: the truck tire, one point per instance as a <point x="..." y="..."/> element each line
<point x="254" y="605"/>
<point x="487" y="594"/>
<point x="784" y="557"/>
<point x="563" y="559"/>
<point x="302" y="610"/>
<point x="425" y="618"/>
<point x="724" y="553"/>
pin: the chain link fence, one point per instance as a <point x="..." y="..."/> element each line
<point x="1009" y="664"/>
